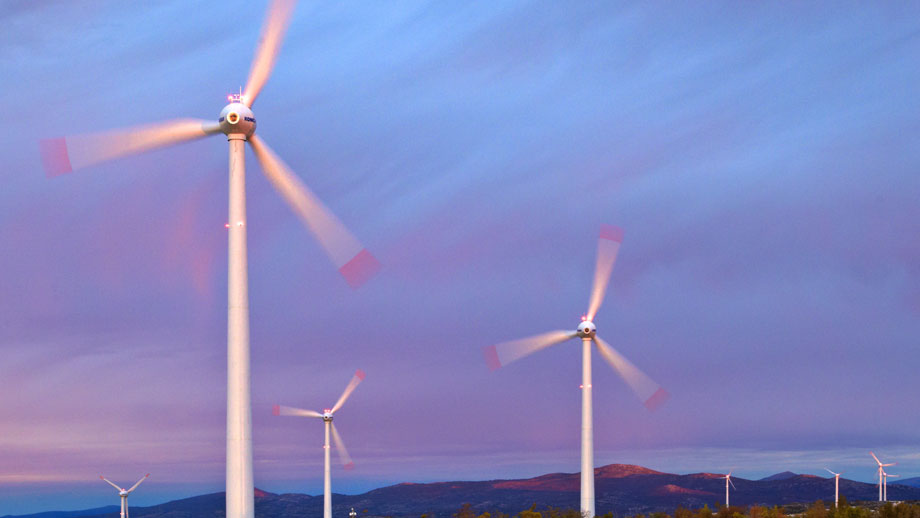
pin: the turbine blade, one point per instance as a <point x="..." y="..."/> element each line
<point x="831" y="472"/>
<point x="353" y="261"/>
<point x="732" y="483"/>
<point x="295" y="412"/>
<point x="340" y="446"/>
<point x="276" y="23"/>
<point x="65" y="154"/>
<point x="110" y="482"/>
<point x="502" y="354"/>
<point x="352" y="385"/>
<point x="608" y="244"/>
<point x="876" y="458"/>
<point x="650" y="393"/>
<point x="139" y="482"/>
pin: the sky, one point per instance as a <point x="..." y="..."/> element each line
<point x="762" y="159"/>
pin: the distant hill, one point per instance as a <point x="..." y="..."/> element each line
<point x="912" y="482"/>
<point x="623" y="489"/>
<point x="71" y="514"/>
<point x="780" y="476"/>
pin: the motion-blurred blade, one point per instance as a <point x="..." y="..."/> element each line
<point x="340" y="446"/>
<point x="502" y="354"/>
<point x="276" y="22"/>
<point x="732" y="483"/>
<point x="65" y="154"/>
<point x="357" y="378"/>
<point x="296" y="412"/>
<point x="608" y="244"/>
<point x="876" y="458"/>
<point x="650" y="393"/>
<point x="831" y="472"/>
<point x="139" y="482"/>
<point x="353" y="261"/>
<point x="110" y="482"/>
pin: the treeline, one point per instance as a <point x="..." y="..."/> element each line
<point x="816" y="510"/>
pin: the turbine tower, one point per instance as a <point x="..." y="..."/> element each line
<point x="881" y="477"/>
<point x="836" y="486"/>
<point x="885" y="492"/>
<point x="644" y="387"/>
<point x="236" y="121"/>
<point x="728" y="480"/>
<point x="327" y="416"/>
<point x="123" y="493"/>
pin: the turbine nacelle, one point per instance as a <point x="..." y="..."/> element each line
<point x="586" y="329"/>
<point x="237" y="119"/>
<point x="327" y="414"/>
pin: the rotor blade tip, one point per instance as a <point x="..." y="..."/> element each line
<point x="491" y="355"/>
<point x="276" y="410"/>
<point x="55" y="158"/>
<point x="360" y="374"/>
<point x="360" y="268"/>
<point x="658" y="398"/>
<point x="612" y="233"/>
<point x="350" y="466"/>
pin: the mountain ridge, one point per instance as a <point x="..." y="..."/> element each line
<point x="621" y="488"/>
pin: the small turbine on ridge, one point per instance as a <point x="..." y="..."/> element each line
<point x="123" y="493"/>
<point x="836" y="486"/>
<point x="882" y="478"/>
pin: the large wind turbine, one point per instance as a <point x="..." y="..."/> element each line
<point x="881" y="476"/>
<point x="123" y="493"/>
<point x="327" y="416"/>
<point x="237" y="122"/>
<point x="728" y="480"/>
<point x="647" y="390"/>
<point x="836" y="486"/>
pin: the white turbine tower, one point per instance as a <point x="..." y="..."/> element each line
<point x="836" y="486"/>
<point x="728" y="480"/>
<point x="237" y="122"/>
<point x="885" y="492"/>
<point x="123" y="493"/>
<point x="644" y="387"/>
<point x="327" y="416"/>
<point x="881" y="477"/>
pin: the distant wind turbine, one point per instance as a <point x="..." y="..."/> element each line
<point x="885" y="492"/>
<point x="881" y="477"/>
<point x="327" y="416"/>
<point x="728" y="480"/>
<point x="123" y="493"/>
<point x="651" y="394"/>
<point x="836" y="485"/>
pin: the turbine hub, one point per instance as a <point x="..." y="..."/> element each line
<point x="586" y="329"/>
<point x="237" y="119"/>
<point x="327" y="415"/>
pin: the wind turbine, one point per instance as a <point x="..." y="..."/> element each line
<point x="728" y="480"/>
<point x="236" y="121"/>
<point x="644" y="387"/>
<point x="327" y="416"/>
<point x="836" y="486"/>
<point x="885" y="492"/>
<point x="123" y="493"/>
<point x="881" y="477"/>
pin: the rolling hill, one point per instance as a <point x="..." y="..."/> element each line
<point x="620" y="488"/>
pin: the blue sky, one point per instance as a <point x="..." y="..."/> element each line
<point x="762" y="159"/>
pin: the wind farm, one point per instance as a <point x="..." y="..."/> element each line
<point x="715" y="200"/>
